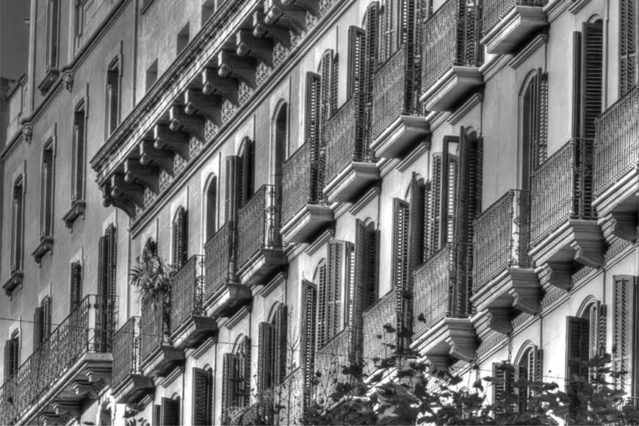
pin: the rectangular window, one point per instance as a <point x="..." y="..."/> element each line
<point x="151" y="75"/>
<point x="42" y="322"/>
<point x="76" y="285"/>
<point x="11" y="356"/>
<point x="208" y="7"/>
<point x="79" y="17"/>
<point x="113" y="97"/>
<point x="183" y="38"/>
<point x="17" y="226"/>
<point x="53" y="33"/>
<point x="79" y="153"/>
<point x="202" y="396"/>
<point x="46" y="191"/>
<point x="107" y="263"/>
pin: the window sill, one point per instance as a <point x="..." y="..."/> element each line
<point x="49" y="78"/>
<point x="46" y="244"/>
<point x="77" y="209"/>
<point x="14" y="282"/>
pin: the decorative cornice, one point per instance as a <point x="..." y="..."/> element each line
<point x="459" y="113"/>
<point x="364" y="200"/>
<point x="528" y="50"/>
<point x="235" y="319"/>
<point x="67" y="80"/>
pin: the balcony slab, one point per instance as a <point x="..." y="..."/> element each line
<point x="450" y="339"/>
<point x="620" y="205"/>
<point x="194" y="331"/>
<point x="163" y="361"/>
<point x="228" y="300"/>
<point x="400" y="136"/>
<point x="133" y="389"/>
<point x="351" y="181"/>
<point x="519" y="24"/>
<point x="451" y="88"/>
<point x="308" y="222"/>
<point x="262" y="266"/>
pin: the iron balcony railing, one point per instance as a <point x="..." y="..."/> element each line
<point x="187" y="292"/>
<point x="344" y="138"/>
<point x="84" y="331"/>
<point x="330" y="358"/>
<point x="451" y="38"/>
<point x="495" y="10"/>
<point x="617" y="141"/>
<point x="501" y="238"/>
<point x="380" y="339"/>
<point x="258" y="224"/>
<point x="561" y="189"/>
<point x="154" y="328"/>
<point x="217" y="259"/>
<point x="434" y="290"/>
<point x="393" y="87"/>
<point x="126" y="352"/>
<point x="302" y="181"/>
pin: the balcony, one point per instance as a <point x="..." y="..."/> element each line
<point x="259" y="243"/>
<point x="128" y="384"/>
<point x="451" y="55"/>
<point x="396" y="127"/>
<point x="330" y="359"/>
<point x="66" y="371"/>
<point x="508" y="23"/>
<point x="157" y="354"/>
<point x="349" y="167"/>
<point x="303" y="212"/>
<point x="189" y="324"/>
<point x="223" y="295"/>
<point x="563" y="228"/>
<point x="442" y="330"/>
<point x="616" y="176"/>
<point x="504" y="282"/>
<point x="380" y="344"/>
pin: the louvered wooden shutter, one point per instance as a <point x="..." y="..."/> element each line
<point x="244" y="373"/>
<point x="597" y="340"/>
<point x="627" y="45"/>
<point x="503" y="380"/>
<point x="308" y="336"/>
<point x="407" y="27"/>
<point x="266" y="346"/>
<point x="436" y="204"/>
<point x="76" y="285"/>
<point x="416" y="221"/>
<point x="202" y="396"/>
<point x="245" y="173"/>
<point x="328" y="99"/>
<point x="334" y="286"/>
<point x="365" y="267"/>
<point x="322" y="306"/>
<point x="334" y="84"/>
<point x="577" y="339"/>
<point x="7" y="360"/>
<point x="46" y="317"/>
<point x="232" y="165"/>
<point x="312" y="134"/>
<point x="356" y="58"/>
<point x="576" y="83"/>
<point x="229" y="363"/>
<point x="371" y="22"/>
<point x="180" y="238"/>
<point x="109" y="293"/>
<point x="170" y="412"/>
<point x="156" y="415"/>
<point x="539" y="119"/>
<point x="624" y="353"/>
<point x="429" y="221"/>
<point x="280" y="353"/>
<point x="400" y="244"/>
<point x="11" y="357"/>
<point x="37" y="327"/>
<point x="389" y="29"/>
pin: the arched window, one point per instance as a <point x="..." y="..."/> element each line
<point x="236" y="378"/>
<point x="585" y="338"/>
<point x="180" y="238"/>
<point x="534" y="123"/>
<point x="528" y="370"/>
<point x="202" y="396"/>
<point x="280" y="141"/>
<point x="211" y="207"/>
<point x="272" y="350"/>
<point x="245" y="172"/>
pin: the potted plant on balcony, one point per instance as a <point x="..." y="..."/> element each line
<point x="152" y="277"/>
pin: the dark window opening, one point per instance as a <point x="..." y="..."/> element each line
<point x="46" y="193"/>
<point x="113" y="97"/>
<point x="79" y="153"/>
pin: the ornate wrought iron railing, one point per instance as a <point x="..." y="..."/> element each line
<point x="187" y="292"/>
<point x="451" y="38"/>
<point x="501" y="237"/>
<point x="393" y="91"/>
<point x="302" y="181"/>
<point x="153" y="328"/>
<point x="495" y="10"/>
<point x="330" y="359"/>
<point x="126" y="351"/>
<point x="260" y="413"/>
<point x="344" y="138"/>
<point x="217" y="256"/>
<point x="617" y="141"/>
<point x="561" y="189"/>
<point x="80" y="333"/>
<point x="433" y="286"/>
<point x="380" y="335"/>
<point x="258" y="223"/>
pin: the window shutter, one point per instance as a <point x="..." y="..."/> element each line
<point x="7" y="360"/>
<point x="280" y="354"/>
<point x="407" y="29"/>
<point x="245" y="171"/>
<point x="322" y="306"/>
<point x="312" y="134"/>
<point x="577" y="335"/>
<point x="597" y="339"/>
<point x="334" y="84"/>
<point x="356" y="46"/>
<point x="156" y="414"/>
<point x="503" y="382"/>
<point x="371" y="27"/>
<point x="11" y="357"/>
<point x="429" y="221"/>
<point x="202" y="396"/>
<point x="37" y="328"/>
<point x="400" y="244"/>
<point x="109" y="289"/>
<point x="229" y="362"/>
<point x="180" y="238"/>
<point x="232" y="165"/>
<point x="326" y="70"/>
<point x="308" y="343"/>
<point x="46" y="317"/>
<point x="244" y="372"/>
<point x="266" y="338"/>
<point x="416" y="221"/>
<point x="170" y="412"/>
<point x="334" y="289"/>
<point x="76" y="285"/>
<point x="625" y="299"/>
<point x="437" y="203"/>
<point x="627" y="45"/>
<point x="576" y="83"/>
<point x="365" y="292"/>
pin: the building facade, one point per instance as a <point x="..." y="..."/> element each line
<point x="325" y="182"/>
